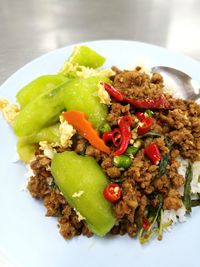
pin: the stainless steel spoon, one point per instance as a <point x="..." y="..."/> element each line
<point x="180" y="82"/>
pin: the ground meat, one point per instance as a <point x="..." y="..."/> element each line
<point x="175" y="153"/>
<point x="38" y="186"/>
<point x="142" y="171"/>
<point x="142" y="206"/>
<point x="113" y="172"/>
<point x="70" y="225"/>
<point x="162" y="145"/>
<point x="176" y="179"/>
<point x="193" y="108"/>
<point x="95" y="153"/>
<point x="182" y="125"/>
<point x="54" y="202"/>
<point x="137" y="84"/>
<point x="106" y="163"/>
<point x="157" y="78"/>
<point x="80" y="145"/>
<point x="117" y="110"/>
<point x="186" y="142"/>
<point x="173" y="200"/>
<point x="40" y="164"/>
<point x="157" y="128"/>
<point x="67" y="230"/>
<point x="176" y="118"/>
<point x="124" y="227"/>
<point x="129" y="203"/>
<point x="116" y="70"/>
<point x="42" y="186"/>
<point x="162" y="182"/>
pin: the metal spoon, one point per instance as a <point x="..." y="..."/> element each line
<point x="180" y="82"/>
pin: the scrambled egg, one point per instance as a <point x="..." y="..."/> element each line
<point x="9" y="110"/>
<point x="84" y="72"/>
<point x="80" y="217"/>
<point x="103" y="95"/>
<point x="66" y="132"/>
<point x="48" y="149"/>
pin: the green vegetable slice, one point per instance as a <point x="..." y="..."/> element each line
<point x="82" y="181"/>
<point x="38" y="86"/>
<point x="187" y="188"/>
<point x="78" y="94"/>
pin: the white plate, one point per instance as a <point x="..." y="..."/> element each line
<point x="30" y="239"/>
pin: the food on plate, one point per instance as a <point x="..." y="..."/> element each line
<point x="110" y="151"/>
<point x="83" y="190"/>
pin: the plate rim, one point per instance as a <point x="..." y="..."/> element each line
<point x="164" y="49"/>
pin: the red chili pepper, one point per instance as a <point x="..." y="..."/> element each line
<point x="116" y="137"/>
<point x="127" y="119"/>
<point x="107" y="136"/>
<point x="145" y="126"/>
<point x="145" y="223"/>
<point x="112" y="192"/>
<point x="140" y="115"/>
<point x="152" y="103"/>
<point x="125" y="129"/>
<point x="153" y="153"/>
<point x="112" y="91"/>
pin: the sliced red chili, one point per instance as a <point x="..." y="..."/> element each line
<point x="145" y="223"/>
<point x="152" y="103"/>
<point x="112" y="91"/>
<point x="116" y="137"/>
<point x="126" y="119"/>
<point x="153" y="153"/>
<point x="112" y="192"/>
<point x="140" y="115"/>
<point x="107" y="136"/>
<point x="125" y="129"/>
<point x="145" y="126"/>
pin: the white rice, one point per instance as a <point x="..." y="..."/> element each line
<point x="195" y="185"/>
<point x="174" y="215"/>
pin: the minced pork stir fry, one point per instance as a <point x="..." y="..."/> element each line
<point x="114" y="153"/>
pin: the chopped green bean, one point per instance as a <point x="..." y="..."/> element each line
<point x="187" y="188"/>
<point x="122" y="161"/>
<point x="160" y="222"/>
<point x="131" y="151"/>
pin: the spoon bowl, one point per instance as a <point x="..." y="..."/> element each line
<point x="180" y="82"/>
